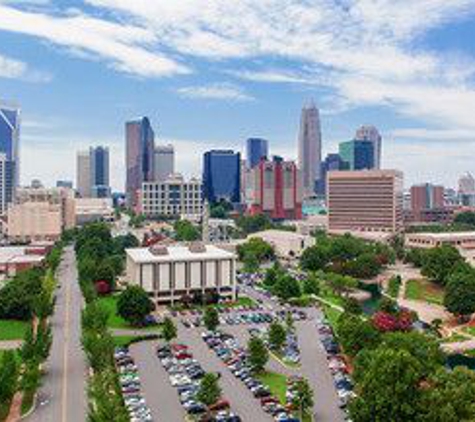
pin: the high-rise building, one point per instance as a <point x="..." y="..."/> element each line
<point x="256" y="150"/>
<point x="139" y="156"/>
<point x="358" y="155"/>
<point x="368" y="200"/>
<point x="173" y="197"/>
<point x="64" y="184"/>
<point x="274" y="188"/>
<point x="9" y="145"/>
<point x="83" y="174"/>
<point x="3" y="182"/>
<point x="331" y="162"/>
<point x="164" y="162"/>
<point x="99" y="167"/>
<point x="310" y="148"/>
<point x="466" y="189"/>
<point x="222" y="176"/>
<point x="370" y="133"/>
<point x="426" y="197"/>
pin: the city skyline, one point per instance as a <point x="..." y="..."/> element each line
<point x="254" y="88"/>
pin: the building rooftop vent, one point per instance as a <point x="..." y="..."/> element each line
<point x="197" y="247"/>
<point x="158" y="250"/>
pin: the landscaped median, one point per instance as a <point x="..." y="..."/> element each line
<point x="424" y="290"/>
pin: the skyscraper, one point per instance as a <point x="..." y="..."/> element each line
<point x="139" y="156"/>
<point x="358" y="155"/>
<point x="9" y="145"/>
<point x="310" y="148"/>
<point x="256" y="149"/>
<point x="370" y="133"/>
<point x="222" y="176"/>
<point x="99" y="170"/>
<point x="331" y="162"/>
<point x="164" y="162"/>
<point x="83" y="174"/>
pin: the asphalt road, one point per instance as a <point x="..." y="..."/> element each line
<point x="62" y="396"/>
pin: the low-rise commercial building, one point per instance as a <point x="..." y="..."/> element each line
<point x="173" y="197"/>
<point x="461" y="240"/>
<point x="14" y="259"/>
<point x="93" y="209"/>
<point x="367" y="200"/>
<point x="168" y="273"/>
<point x="286" y="244"/>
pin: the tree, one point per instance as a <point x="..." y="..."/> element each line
<point x="186" y="231"/>
<point x="211" y="318"/>
<point x="258" y="354"/>
<point x="94" y="317"/>
<point x="314" y="258"/>
<point x="460" y="293"/>
<point x="209" y="391"/>
<point x="440" y="262"/>
<point x="352" y="306"/>
<point x="311" y="285"/>
<point x="287" y="287"/>
<point x="449" y="397"/>
<point x="273" y="274"/>
<point x="134" y="305"/>
<point x="254" y="223"/>
<point x="466" y="218"/>
<point x="303" y="397"/>
<point x="277" y="336"/>
<point x="355" y="334"/>
<point x="9" y="370"/>
<point x="289" y="322"/>
<point x="169" y="330"/>
<point x="388" y="386"/>
<point x="341" y="283"/>
<point x="257" y="248"/>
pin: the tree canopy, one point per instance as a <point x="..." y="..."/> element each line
<point x="134" y="305"/>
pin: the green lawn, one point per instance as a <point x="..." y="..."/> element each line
<point x="454" y="338"/>
<point x="330" y="296"/>
<point x="12" y="329"/>
<point x="115" y="321"/>
<point x="424" y="290"/>
<point x="277" y="384"/>
<point x="393" y="287"/>
<point x="241" y="301"/>
<point x="470" y="330"/>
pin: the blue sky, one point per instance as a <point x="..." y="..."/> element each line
<point x="210" y="73"/>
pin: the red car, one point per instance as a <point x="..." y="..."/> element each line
<point x="220" y="405"/>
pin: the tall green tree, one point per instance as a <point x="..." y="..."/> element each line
<point x="134" y="305"/>
<point x="209" y="391"/>
<point x="9" y="371"/>
<point x="459" y="296"/>
<point x="311" y="285"/>
<point x="439" y="263"/>
<point x="169" y="331"/>
<point x="258" y="355"/>
<point x="303" y="397"/>
<point x="211" y="318"/>
<point x="356" y="334"/>
<point x="277" y="336"/>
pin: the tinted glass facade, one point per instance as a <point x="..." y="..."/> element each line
<point x="359" y="155"/>
<point x="257" y="149"/>
<point x="99" y="163"/>
<point x="331" y="162"/>
<point x="222" y="176"/>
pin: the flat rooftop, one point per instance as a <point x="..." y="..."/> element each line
<point x="278" y="235"/>
<point x="443" y="236"/>
<point x="177" y="253"/>
<point x="18" y="254"/>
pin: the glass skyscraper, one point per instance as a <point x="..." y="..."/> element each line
<point x="222" y="176"/>
<point x="256" y="149"/>
<point x="358" y="155"/>
<point x="9" y="146"/>
<point x="99" y="168"/>
<point x="140" y="146"/>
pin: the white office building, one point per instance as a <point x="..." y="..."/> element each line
<point x="173" y="197"/>
<point x="170" y="273"/>
<point x="3" y="184"/>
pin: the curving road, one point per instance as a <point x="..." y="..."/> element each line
<point x="62" y="396"/>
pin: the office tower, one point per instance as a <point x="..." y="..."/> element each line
<point x="466" y="184"/>
<point x="310" y="148"/>
<point x="99" y="168"/>
<point x="256" y="149"/>
<point x="3" y="182"/>
<point x="139" y="156"/>
<point x="331" y="162"/>
<point x="370" y="133"/>
<point x="83" y="174"/>
<point x="173" y="197"/>
<point x="9" y="145"/>
<point x="275" y="189"/>
<point x="358" y="155"/>
<point x="222" y="176"/>
<point x="370" y="200"/>
<point x="426" y="197"/>
<point x="164" y="162"/>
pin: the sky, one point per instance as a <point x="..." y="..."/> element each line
<point x="211" y="73"/>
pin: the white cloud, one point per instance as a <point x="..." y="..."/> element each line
<point x="217" y="91"/>
<point x="16" y="69"/>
